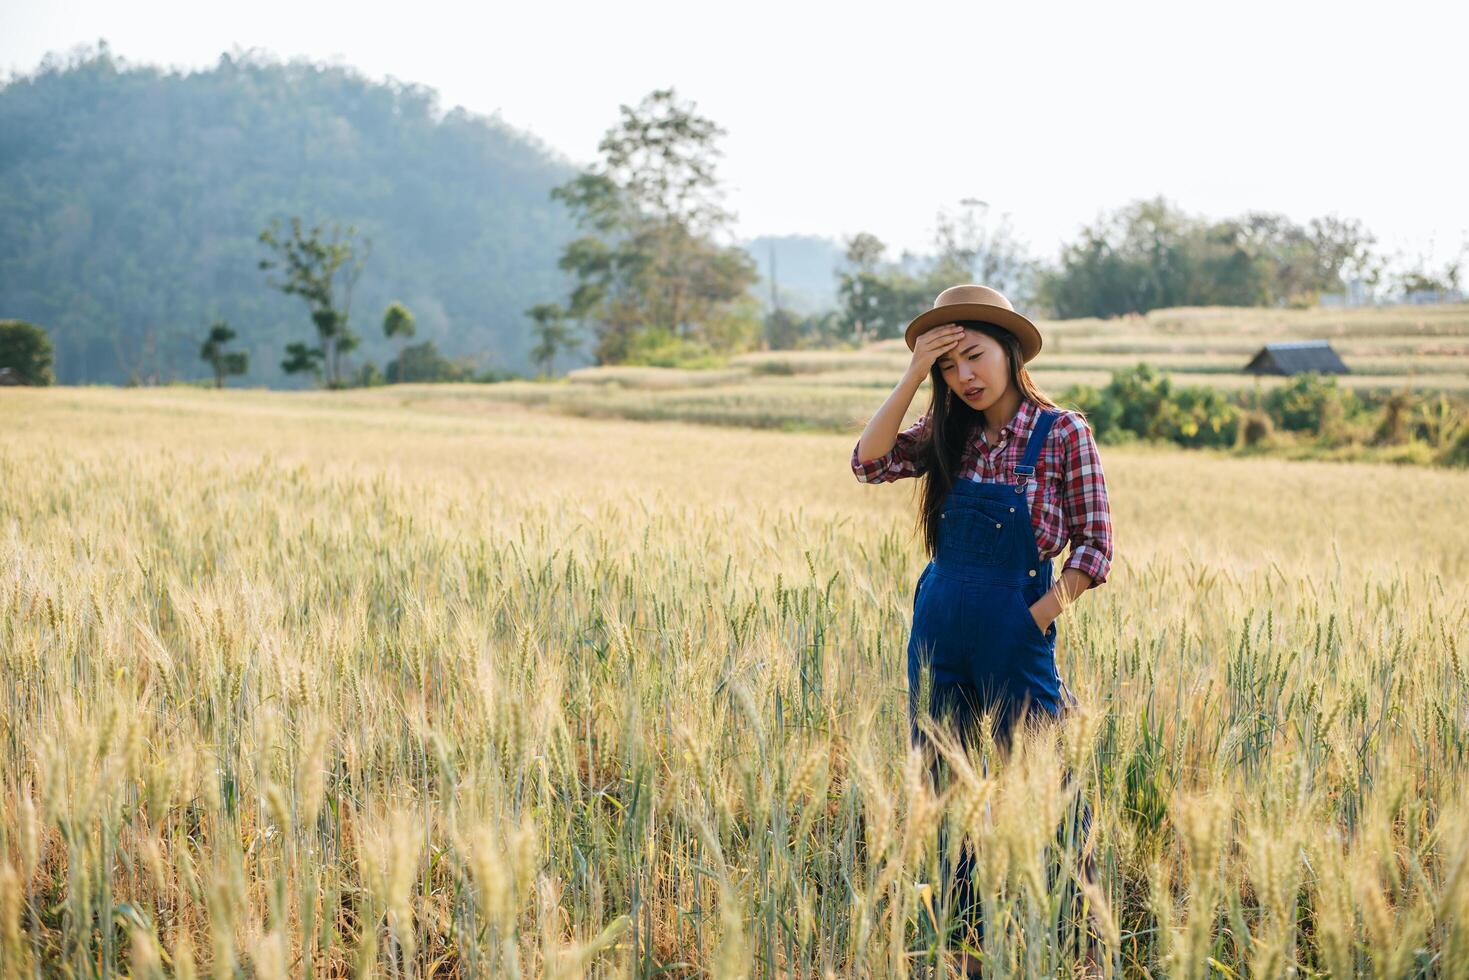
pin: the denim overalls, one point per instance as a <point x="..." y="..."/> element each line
<point x="971" y="606"/>
<point x="972" y="622"/>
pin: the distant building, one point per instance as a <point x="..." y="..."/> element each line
<point x="10" y="376"/>
<point x="1297" y="357"/>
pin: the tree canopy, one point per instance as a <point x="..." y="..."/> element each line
<point x="648" y="269"/>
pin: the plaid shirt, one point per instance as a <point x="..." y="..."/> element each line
<point x="1072" y="503"/>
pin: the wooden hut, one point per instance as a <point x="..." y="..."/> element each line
<point x="1297" y="357"/>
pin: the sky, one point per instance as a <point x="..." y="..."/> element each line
<point x="854" y="116"/>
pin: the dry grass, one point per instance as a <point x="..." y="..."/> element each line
<point x="1425" y="349"/>
<point x="315" y="680"/>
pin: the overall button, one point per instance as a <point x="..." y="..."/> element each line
<point x="1032" y="573"/>
<point x="999" y="525"/>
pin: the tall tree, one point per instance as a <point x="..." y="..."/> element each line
<point x="972" y="248"/>
<point x="1150" y="254"/>
<point x="223" y="362"/>
<point x="398" y="322"/>
<point x="650" y="209"/>
<point x="321" y="266"/>
<point x="26" y="349"/>
<point x="878" y="298"/>
<point x="552" y="333"/>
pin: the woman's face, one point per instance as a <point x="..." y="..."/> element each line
<point x="976" y="369"/>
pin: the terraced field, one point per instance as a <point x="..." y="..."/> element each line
<point x="1421" y="348"/>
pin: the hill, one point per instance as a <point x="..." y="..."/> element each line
<point x="131" y="198"/>
<point x="806" y="269"/>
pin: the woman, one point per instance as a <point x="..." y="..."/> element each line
<point x="1009" y="480"/>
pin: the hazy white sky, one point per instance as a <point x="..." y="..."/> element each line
<point x="844" y="117"/>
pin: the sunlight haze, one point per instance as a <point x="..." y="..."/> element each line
<point x="844" y="118"/>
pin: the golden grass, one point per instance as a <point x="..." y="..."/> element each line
<point x="463" y="687"/>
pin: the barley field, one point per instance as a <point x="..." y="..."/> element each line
<point x="408" y="684"/>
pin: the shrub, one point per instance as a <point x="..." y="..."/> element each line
<point x="1256" y="428"/>
<point x="658" y="347"/>
<point x="1100" y="411"/>
<point x="368" y="376"/>
<point x="1311" y="403"/>
<point x="1200" y="416"/>
<point x="494" y="375"/>
<point x="1457" y="453"/>
<point x="26" y="349"/>
<point x="1392" y="430"/>
<point x="423" y="362"/>
<point x="1437" y="419"/>
<point x="1141" y="403"/>
<point x="1138" y="397"/>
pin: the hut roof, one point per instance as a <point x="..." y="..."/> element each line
<point x="1296" y="357"/>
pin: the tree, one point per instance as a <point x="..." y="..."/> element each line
<point x="969" y="249"/>
<point x="1421" y="278"/>
<point x="877" y="298"/>
<point x="302" y="357"/>
<point x="423" y="362"/>
<point x="552" y="334"/>
<point x="222" y="361"/>
<point x="649" y="260"/>
<point x="782" y="330"/>
<point x="1149" y="254"/>
<point x="322" y="269"/>
<point x="398" y="322"/>
<point x="26" y="349"/>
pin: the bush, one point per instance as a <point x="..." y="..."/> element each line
<point x="1256" y="428"/>
<point x="26" y="349"/>
<point x="1200" y="416"/>
<point x="368" y="376"/>
<point x="1139" y="397"/>
<point x="1392" y="430"/>
<point x="1100" y="411"/>
<point x="1311" y="403"/>
<point x="1143" y="404"/>
<point x="1140" y="403"/>
<point x="1457" y="453"/>
<point x="494" y="375"/>
<point x="423" y="362"/>
<point x="658" y="347"/>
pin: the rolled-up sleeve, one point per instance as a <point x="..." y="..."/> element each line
<point x="908" y="457"/>
<point x="1084" y="504"/>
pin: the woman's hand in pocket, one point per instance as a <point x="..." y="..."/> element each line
<point x="1040" y="620"/>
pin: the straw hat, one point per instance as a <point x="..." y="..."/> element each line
<point x="971" y="302"/>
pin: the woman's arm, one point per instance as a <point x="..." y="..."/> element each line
<point x="1088" y="517"/>
<point x="881" y="432"/>
<point x="1072" y="583"/>
<point x="882" y="452"/>
<point x="904" y="454"/>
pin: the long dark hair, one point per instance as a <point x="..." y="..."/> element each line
<point x="952" y="422"/>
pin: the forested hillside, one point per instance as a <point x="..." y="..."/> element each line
<point x="131" y="199"/>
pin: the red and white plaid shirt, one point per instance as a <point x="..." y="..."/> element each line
<point x="1072" y="502"/>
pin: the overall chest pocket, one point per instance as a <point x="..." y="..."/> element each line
<point x="973" y="533"/>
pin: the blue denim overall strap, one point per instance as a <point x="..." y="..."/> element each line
<point x="971" y="612"/>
